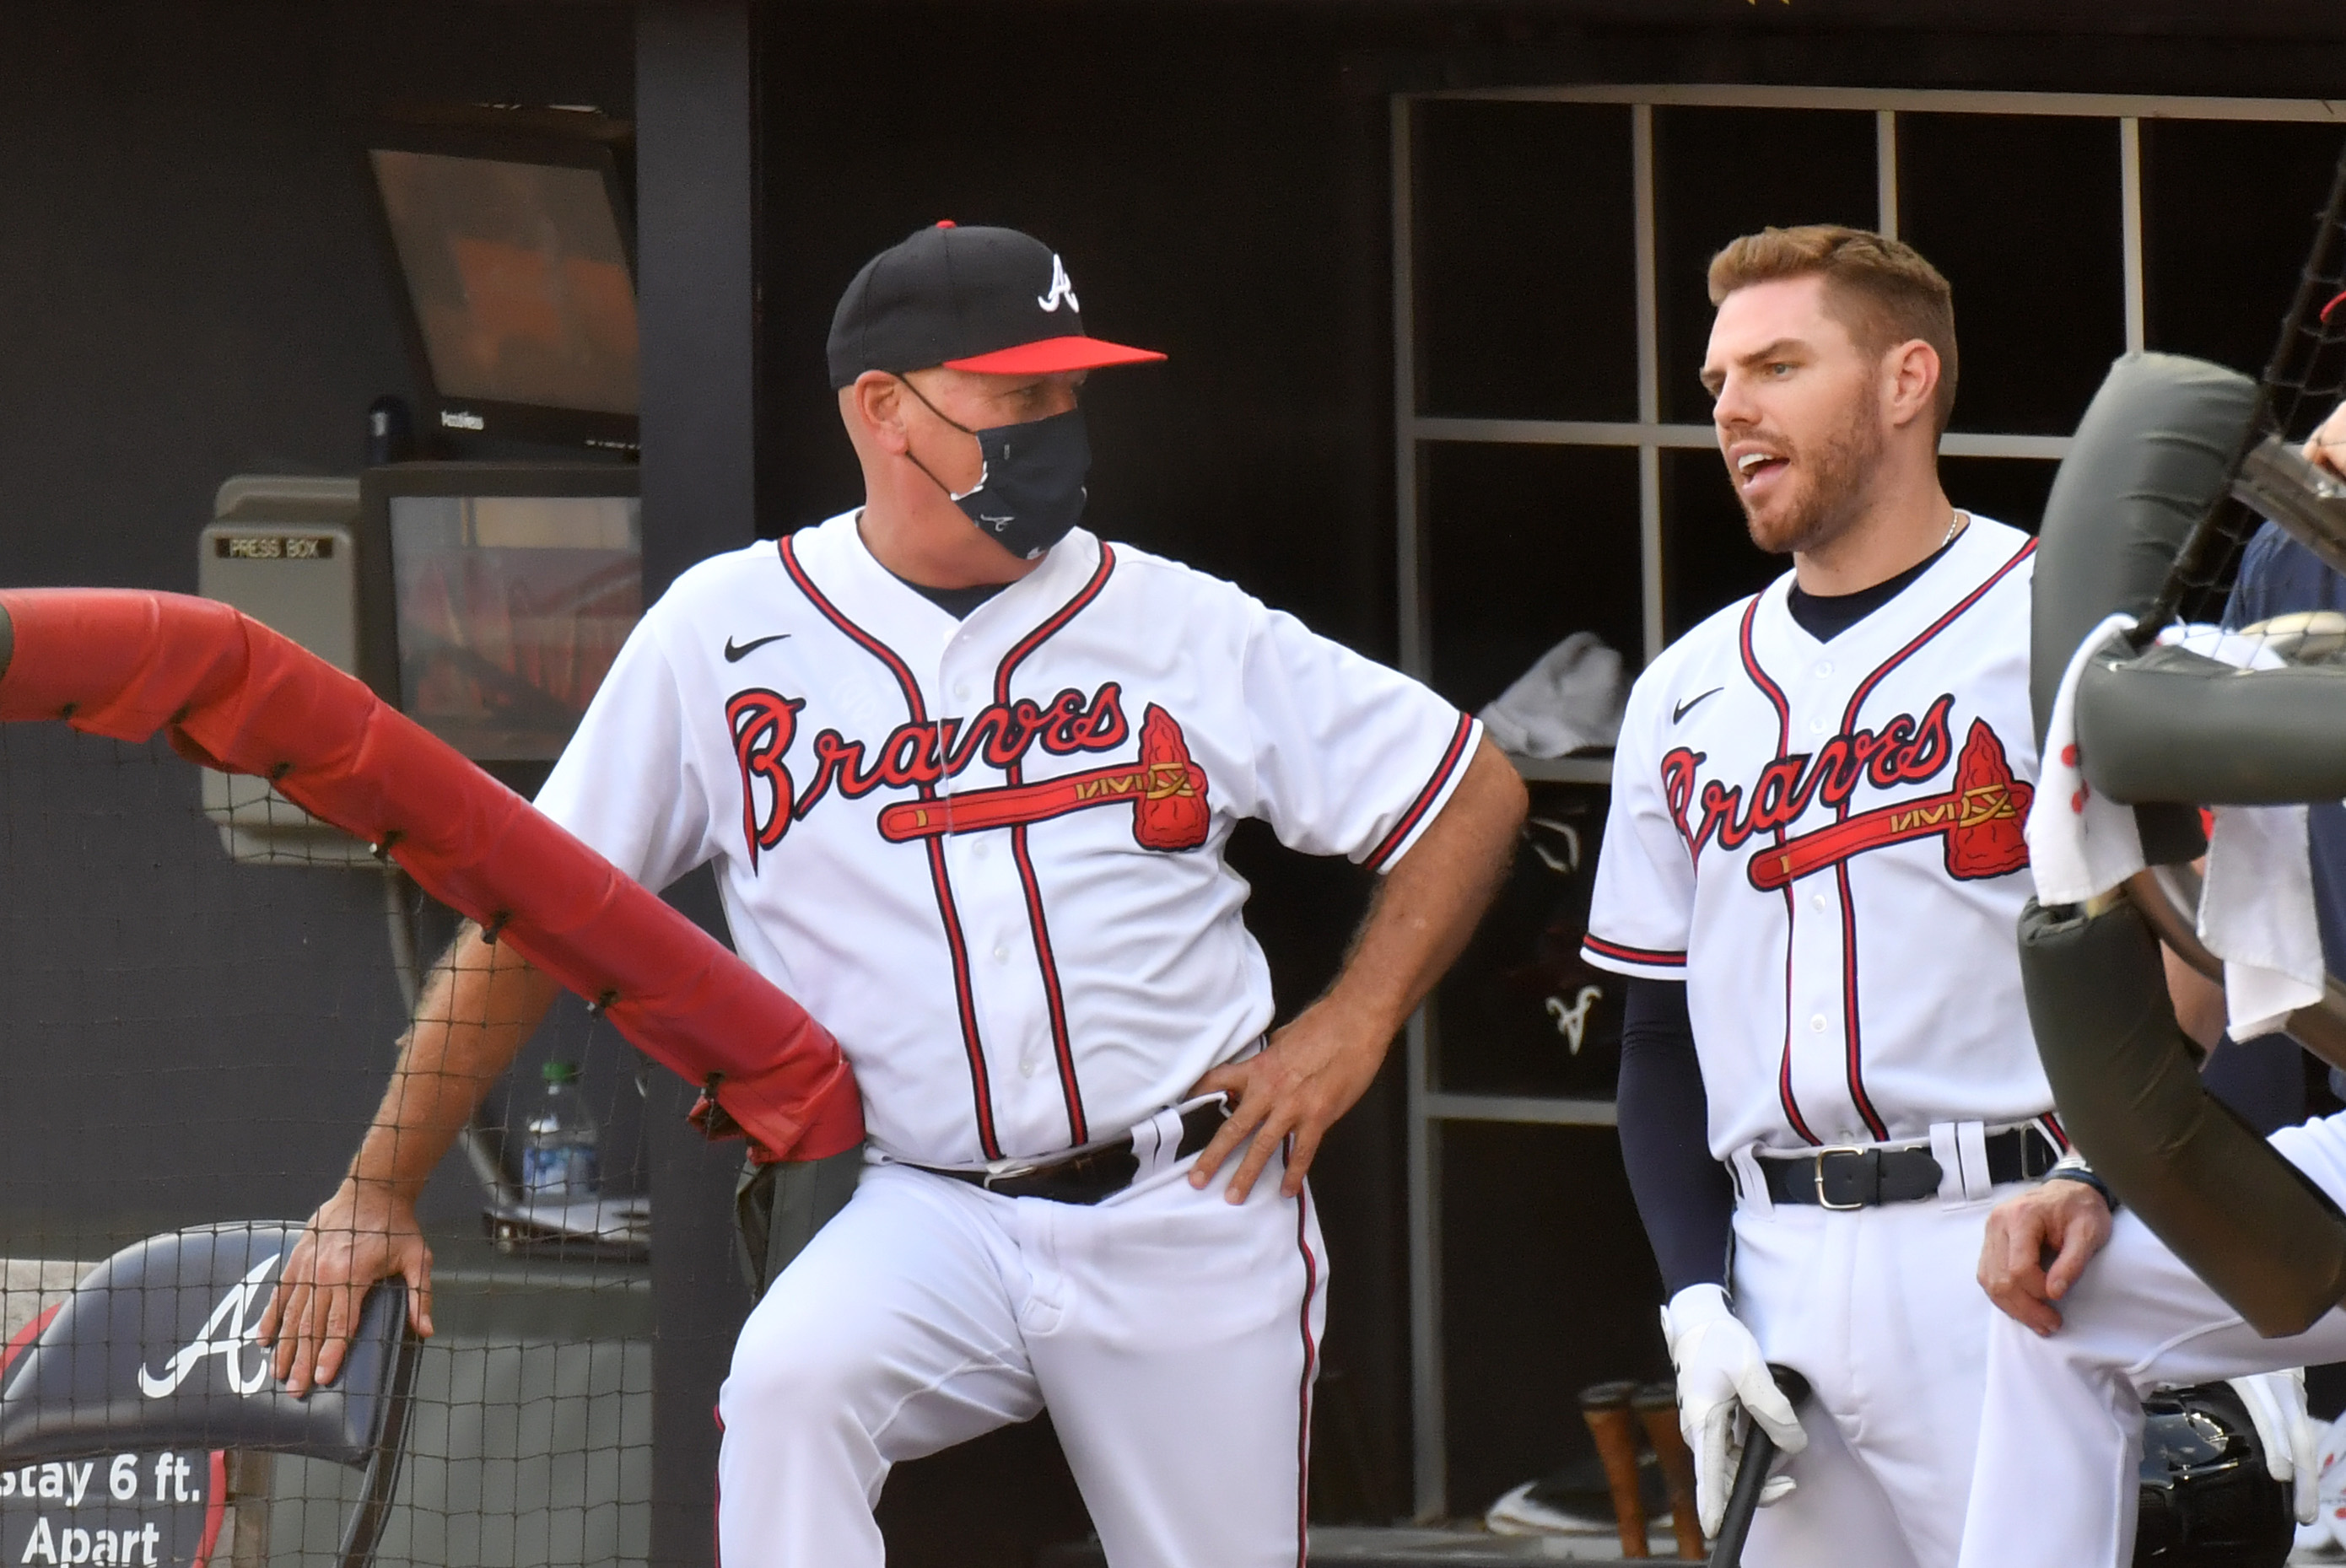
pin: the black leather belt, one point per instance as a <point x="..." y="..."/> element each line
<point x="1088" y="1176"/>
<point x="1861" y="1179"/>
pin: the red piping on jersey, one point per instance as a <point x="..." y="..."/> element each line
<point x="1865" y="687"/>
<point x="1775" y="694"/>
<point x="1855" y="1051"/>
<point x="2052" y="1125"/>
<point x="1304" y="1391"/>
<point x="1629" y="954"/>
<point x="981" y="1093"/>
<point x="1078" y="1127"/>
<point x="1426" y="797"/>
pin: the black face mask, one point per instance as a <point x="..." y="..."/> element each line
<point x="1031" y="490"/>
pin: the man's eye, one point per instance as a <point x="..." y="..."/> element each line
<point x="1779" y="370"/>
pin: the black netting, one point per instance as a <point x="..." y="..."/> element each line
<point x="199" y="1010"/>
<point x="2303" y="382"/>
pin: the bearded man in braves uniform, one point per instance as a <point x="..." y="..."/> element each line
<point x="967" y="772"/>
<point x="1812" y="873"/>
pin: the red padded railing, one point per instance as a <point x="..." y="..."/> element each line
<point x="233" y="694"/>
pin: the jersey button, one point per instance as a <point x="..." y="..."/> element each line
<point x="960" y="690"/>
<point x="1029" y="1067"/>
<point x="1818" y="900"/>
<point x="1816" y="727"/>
<point x="1825" y="667"/>
<point x="1817" y="1025"/>
<point x="1001" y="953"/>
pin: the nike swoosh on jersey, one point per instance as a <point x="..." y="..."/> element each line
<point x="735" y="654"/>
<point x="1683" y="709"/>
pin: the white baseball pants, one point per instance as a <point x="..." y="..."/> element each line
<point x="2061" y="1434"/>
<point x="1172" y="1336"/>
<point x="1881" y="1309"/>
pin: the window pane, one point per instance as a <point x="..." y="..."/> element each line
<point x="1526" y="1324"/>
<point x="2008" y="489"/>
<point x="1520" y="1012"/>
<point x="1525" y="545"/>
<point x="1720" y="173"/>
<point x="1526" y="261"/>
<point x="2227" y="213"/>
<point x="2021" y="213"/>
<point x="1707" y="557"/>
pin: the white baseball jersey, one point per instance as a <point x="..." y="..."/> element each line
<point x="987" y="853"/>
<point x="1823" y="841"/>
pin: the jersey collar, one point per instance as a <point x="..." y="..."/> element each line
<point x="1951" y="577"/>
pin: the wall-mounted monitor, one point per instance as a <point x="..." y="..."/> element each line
<point x="496" y="595"/>
<point x="511" y="241"/>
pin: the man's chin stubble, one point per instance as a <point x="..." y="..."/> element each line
<point x="1799" y="533"/>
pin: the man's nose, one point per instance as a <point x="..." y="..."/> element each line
<point x="1733" y="407"/>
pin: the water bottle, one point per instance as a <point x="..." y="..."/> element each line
<point x="559" y="1160"/>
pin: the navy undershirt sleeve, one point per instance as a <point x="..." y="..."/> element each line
<point x="1684" y="1198"/>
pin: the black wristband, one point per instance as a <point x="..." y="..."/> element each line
<point x="2079" y="1173"/>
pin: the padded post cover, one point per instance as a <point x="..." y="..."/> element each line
<point x="2245" y="1220"/>
<point x="2151" y="455"/>
<point x="153" y="1351"/>
<point x="231" y="693"/>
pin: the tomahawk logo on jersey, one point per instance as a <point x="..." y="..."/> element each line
<point x="1024" y="809"/>
<point x="1824" y="839"/>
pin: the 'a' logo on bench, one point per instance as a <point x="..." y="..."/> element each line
<point x="225" y="1334"/>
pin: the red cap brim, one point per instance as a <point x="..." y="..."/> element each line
<point x="1051" y="356"/>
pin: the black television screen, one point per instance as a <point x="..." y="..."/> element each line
<point x="514" y="253"/>
<point x="508" y="590"/>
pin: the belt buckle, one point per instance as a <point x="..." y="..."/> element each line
<point x="1818" y="1178"/>
<point x="1018" y="1171"/>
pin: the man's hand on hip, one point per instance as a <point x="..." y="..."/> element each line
<point x="2068" y="1218"/>
<point x="1421" y="914"/>
<point x="362" y="1233"/>
<point x="1311" y="1074"/>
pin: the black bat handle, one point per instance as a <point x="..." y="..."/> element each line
<point x="1751" y="1476"/>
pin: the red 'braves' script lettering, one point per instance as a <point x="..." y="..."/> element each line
<point x="762" y="723"/>
<point x="1904" y="750"/>
<point x="911" y="756"/>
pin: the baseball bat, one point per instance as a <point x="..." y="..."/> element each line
<point x="1751" y="1477"/>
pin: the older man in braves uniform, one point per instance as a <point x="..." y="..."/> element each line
<point x="967" y="773"/>
<point x="1812" y="872"/>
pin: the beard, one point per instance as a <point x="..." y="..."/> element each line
<point x="1836" y="477"/>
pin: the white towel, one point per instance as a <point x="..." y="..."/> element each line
<point x="2256" y="903"/>
<point x="1570" y="699"/>
<point x="2080" y="845"/>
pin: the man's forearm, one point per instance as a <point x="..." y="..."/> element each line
<point x="1432" y="899"/>
<point x="481" y="1004"/>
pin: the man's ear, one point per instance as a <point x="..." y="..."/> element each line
<point x="876" y="402"/>
<point x="1911" y="378"/>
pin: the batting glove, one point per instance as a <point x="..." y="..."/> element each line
<point x="1723" y="1375"/>
<point x="2276" y="1402"/>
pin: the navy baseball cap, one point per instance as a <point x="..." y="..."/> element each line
<point x="988" y="299"/>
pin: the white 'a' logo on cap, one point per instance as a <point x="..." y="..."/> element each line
<point x="1060" y="289"/>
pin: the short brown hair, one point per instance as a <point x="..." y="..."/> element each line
<point x="1884" y="293"/>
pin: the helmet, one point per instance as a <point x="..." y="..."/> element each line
<point x="2207" y="1501"/>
